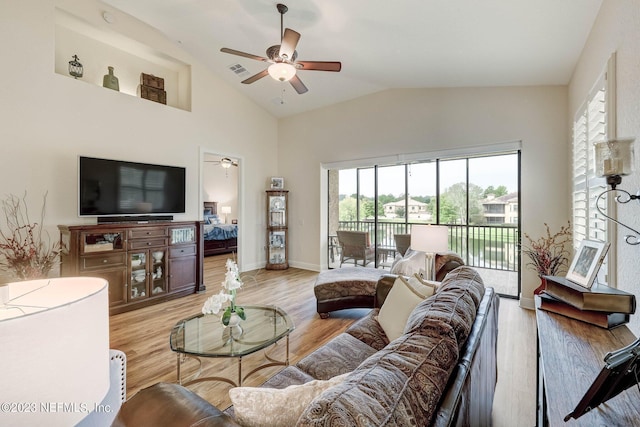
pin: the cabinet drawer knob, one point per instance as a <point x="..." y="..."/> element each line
<point x="104" y="261"/>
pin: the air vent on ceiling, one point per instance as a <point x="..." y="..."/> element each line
<point x="239" y="70"/>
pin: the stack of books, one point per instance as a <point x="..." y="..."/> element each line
<point x="601" y="305"/>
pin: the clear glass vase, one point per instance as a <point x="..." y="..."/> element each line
<point x="234" y="326"/>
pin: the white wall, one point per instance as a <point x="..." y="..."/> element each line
<point x="617" y="29"/>
<point x="426" y="120"/>
<point x="47" y="120"/>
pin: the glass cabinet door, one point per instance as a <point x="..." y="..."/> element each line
<point x="277" y="211"/>
<point x="277" y="246"/>
<point x="139" y="273"/>
<point x="148" y="273"/>
<point x="158" y="272"/>
<point x="182" y="235"/>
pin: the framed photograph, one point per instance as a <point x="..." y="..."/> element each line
<point x="586" y="263"/>
<point x="277" y="183"/>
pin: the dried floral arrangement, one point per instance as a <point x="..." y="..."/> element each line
<point x="26" y="249"/>
<point x="548" y="255"/>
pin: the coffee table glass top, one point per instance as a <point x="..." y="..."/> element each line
<point x="206" y="336"/>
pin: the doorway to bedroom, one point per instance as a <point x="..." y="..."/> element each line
<point x="220" y="204"/>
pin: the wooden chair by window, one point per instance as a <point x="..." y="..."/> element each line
<point x="355" y="246"/>
<point x="403" y="241"/>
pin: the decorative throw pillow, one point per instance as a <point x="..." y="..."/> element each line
<point x="410" y="264"/>
<point x="266" y="407"/>
<point x="425" y="288"/>
<point x="397" y="307"/>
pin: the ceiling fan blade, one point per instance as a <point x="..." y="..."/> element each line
<point x="246" y="55"/>
<point x="298" y="85"/>
<point x="289" y="43"/>
<point x="319" y="65"/>
<point x="256" y="77"/>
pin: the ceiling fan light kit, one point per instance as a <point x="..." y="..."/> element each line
<point x="283" y="58"/>
<point x="282" y="71"/>
<point x="226" y="162"/>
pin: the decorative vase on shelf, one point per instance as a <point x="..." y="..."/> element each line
<point x="110" y="81"/>
<point x="543" y="285"/>
<point x="234" y="325"/>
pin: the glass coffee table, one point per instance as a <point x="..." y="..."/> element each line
<point x="205" y="336"/>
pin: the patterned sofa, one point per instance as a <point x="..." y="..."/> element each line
<point x="441" y="371"/>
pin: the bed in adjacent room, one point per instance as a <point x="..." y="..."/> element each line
<point x="219" y="238"/>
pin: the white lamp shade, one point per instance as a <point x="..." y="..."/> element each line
<point x="55" y="350"/>
<point x="429" y="238"/>
<point x="282" y="71"/>
<point x="225" y="210"/>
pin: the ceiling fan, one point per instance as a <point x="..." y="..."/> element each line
<point x="283" y="59"/>
<point x="225" y="162"/>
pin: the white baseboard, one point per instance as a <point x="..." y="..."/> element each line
<point x="528" y="303"/>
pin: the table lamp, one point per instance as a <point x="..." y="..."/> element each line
<point x="429" y="239"/>
<point x="55" y="350"/>
<point x="226" y="210"/>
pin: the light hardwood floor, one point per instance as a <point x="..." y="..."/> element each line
<point x="143" y="335"/>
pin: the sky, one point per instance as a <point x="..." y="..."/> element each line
<point x="483" y="171"/>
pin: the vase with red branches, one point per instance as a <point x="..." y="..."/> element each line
<point x="548" y="255"/>
<point x="26" y="249"/>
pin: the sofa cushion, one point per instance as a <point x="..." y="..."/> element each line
<point x="413" y="261"/>
<point x="409" y="264"/>
<point x="340" y="355"/>
<point x="455" y="303"/>
<point x="425" y="288"/>
<point x="395" y="311"/>
<point x="368" y="330"/>
<point x="268" y="407"/>
<point x="467" y="279"/>
<point x="400" y="385"/>
<point x="290" y="375"/>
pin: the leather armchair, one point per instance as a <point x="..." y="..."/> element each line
<point x="117" y="394"/>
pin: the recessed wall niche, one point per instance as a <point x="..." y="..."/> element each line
<point x="98" y="49"/>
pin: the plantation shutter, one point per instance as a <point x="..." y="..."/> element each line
<point x="591" y="124"/>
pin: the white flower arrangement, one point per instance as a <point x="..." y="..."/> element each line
<point x="230" y="286"/>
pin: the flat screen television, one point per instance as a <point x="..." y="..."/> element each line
<point x="119" y="188"/>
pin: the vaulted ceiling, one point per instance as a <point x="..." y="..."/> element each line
<point x="381" y="44"/>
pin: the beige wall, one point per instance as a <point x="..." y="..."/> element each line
<point x="47" y="120"/>
<point x="617" y="29"/>
<point x="426" y="120"/>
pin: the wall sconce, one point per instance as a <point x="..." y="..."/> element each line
<point x="613" y="160"/>
<point x="429" y="239"/>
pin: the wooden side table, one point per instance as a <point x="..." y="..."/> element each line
<point x="570" y="356"/>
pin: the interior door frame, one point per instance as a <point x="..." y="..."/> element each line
<point x="205" y="151"/>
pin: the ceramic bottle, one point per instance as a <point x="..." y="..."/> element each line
<point x="110" y="81"/>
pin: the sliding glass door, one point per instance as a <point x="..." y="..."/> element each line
<point x="476" y="197"/>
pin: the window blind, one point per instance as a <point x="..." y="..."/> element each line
<point x="591" y="124"/>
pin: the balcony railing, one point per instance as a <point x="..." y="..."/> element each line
<point x="483" y="246"/>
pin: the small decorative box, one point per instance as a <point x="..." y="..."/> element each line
<point x="151" y="81"/>
<point x="153" y="94"/>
